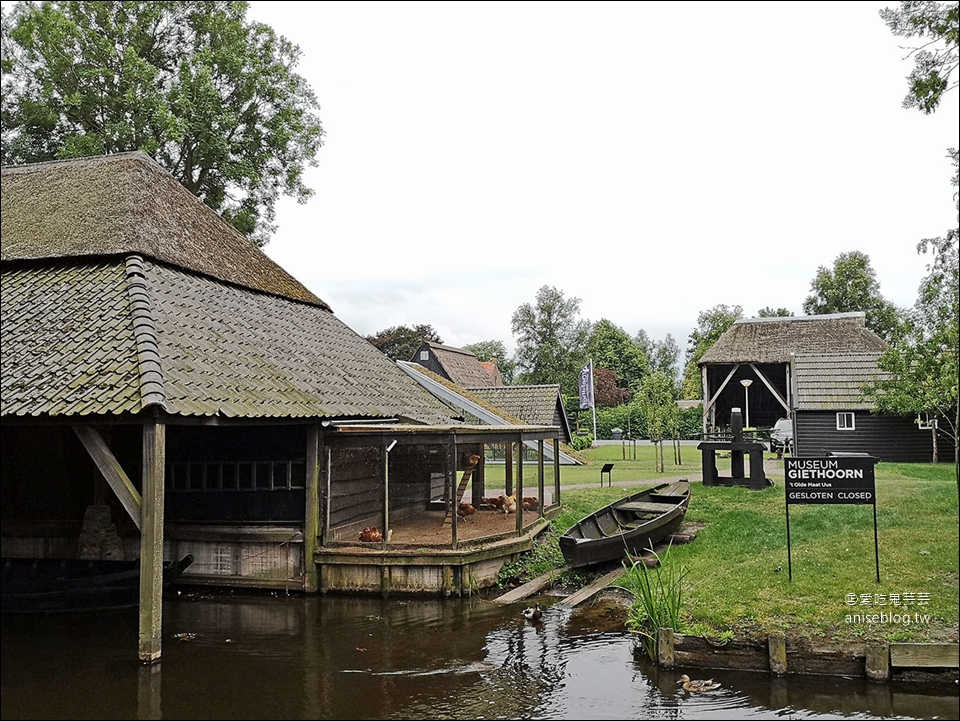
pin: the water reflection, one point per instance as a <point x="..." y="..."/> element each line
<point x="340" y="657"/>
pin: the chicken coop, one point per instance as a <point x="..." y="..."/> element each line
<point x="425" y="509"/>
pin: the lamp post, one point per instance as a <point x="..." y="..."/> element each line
<point x="746" y="393"/>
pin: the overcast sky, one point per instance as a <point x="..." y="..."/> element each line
<point x="653" y="160"/>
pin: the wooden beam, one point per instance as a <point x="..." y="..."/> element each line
<point x="311" y="525"/>
<point x="945" y="655"/>
<point x="151" y="541"/>
<point x="770" y="388"/>
<point x="110" y="468"/>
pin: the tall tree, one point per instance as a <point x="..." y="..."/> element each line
<point x="611" y="347"/>
<point x="711" y="324"/>
<point x="664" y="354"/>
<point x="923" y="365"/>
<point x="852" y="286"/>
<point x="400" y="342"/>
<point x="211" y="97"/>
<point x="487" y="350"/>
<point x="935" y="58"/>
<point x="551" y="338"/>
<point x="769" y="312"/>
<point x="608" y="391"/>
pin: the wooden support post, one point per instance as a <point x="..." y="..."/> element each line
<point x="311" y="525"/>
<point x="777" y="650"/>
<point x="519" y="488"/>
<point x="110" y="469"/>
<point x="508" y="468"/>
<point x="539" y="477"/>
<point x="151" y="541"/>
<point x="877" y="661"/>
<point x="556" y="470"/>
<point x="665" y="658"/>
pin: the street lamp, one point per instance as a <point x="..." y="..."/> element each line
<point x="746" y="393"/>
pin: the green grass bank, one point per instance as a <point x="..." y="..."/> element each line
<point x="736" y="581"/>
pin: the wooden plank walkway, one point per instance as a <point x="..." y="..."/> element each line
<point x="529" y="588"/>
<point x="588" y="592"/>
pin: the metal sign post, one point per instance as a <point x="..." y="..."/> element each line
<point x="837" y="478"/>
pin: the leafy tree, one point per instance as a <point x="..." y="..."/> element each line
<point x="769" y="312"/>
<point x="401" y="343"/>
<point x="550" y="339"/>
<point x="212" y="98"/>
<point x="923" y="366"/>
<point x="611" y="347"/>
<point x="608" y="391"/>
<point x="711" y="324"/>
<point x="936" y="58"/>
<point x="852" y="286"/>
<point x="656" y="398"/>
<point x="666" y="357"/>
<point x="664" y="354"/>
<point x="488" y="350"/>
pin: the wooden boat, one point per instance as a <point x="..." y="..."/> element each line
<point x="55" y="585"/>
<point x="628" y="526"/>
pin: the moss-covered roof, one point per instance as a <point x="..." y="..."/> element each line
<point x="126" y="203"/>
<point x="88" y="336"/>
<point x="772" y="340"/>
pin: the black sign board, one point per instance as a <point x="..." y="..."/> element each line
<point x="831" y="479"/>
<point x="842" y="479"/>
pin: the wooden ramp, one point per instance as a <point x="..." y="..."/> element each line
<point x="529" y="588"/>
<point x="467" y="474"/>
<point x="588" y="592"/>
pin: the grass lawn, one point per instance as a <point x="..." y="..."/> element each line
<point x="737" y="578"/>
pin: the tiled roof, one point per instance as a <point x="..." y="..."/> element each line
<point x="96" y="337"/>
<point x="461" y="366"/>
<point x="67" y="345"/>
<point x="127" y="204"/>
<point x="834" y="382"/>
<point x="532" y="404"/>
<point x="772" y="340"/>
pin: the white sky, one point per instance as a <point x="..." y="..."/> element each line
<point x="652" y="159"/>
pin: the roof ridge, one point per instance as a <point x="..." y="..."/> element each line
<point x="145" y="335"/>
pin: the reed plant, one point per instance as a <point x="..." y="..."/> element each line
<point x="657" y="597"/>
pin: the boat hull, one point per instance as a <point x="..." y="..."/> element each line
<point x="628" y="526"/>
<point x="55" y="586"/>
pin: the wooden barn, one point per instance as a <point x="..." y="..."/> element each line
<point x="168" y="389"/>
<point x="810" y="369"/>
<point x="457" y="365"/>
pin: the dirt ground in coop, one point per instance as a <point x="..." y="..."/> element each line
<point x="427" y="528"/>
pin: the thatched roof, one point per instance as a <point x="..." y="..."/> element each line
<point x="772" y="340"/>
<point x="122" y="293"/>
<point x="126" y="203"/>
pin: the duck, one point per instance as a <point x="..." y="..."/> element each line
<point x="533" y="614"/>
<point x="698" y="686"/>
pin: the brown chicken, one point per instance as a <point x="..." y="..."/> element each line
<point x="494" y="503"/>
<point x="464" y="510"/>
<point x="530" y="503"/>
<point x="371" y="535"/>
<point x="473" y="460"/>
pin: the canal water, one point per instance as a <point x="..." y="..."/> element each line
<point x="274" y="656"/>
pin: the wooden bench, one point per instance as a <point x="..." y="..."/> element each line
<point x="645" y="507"/>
